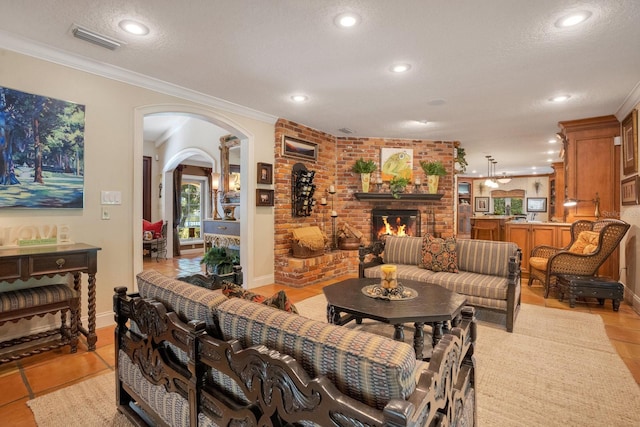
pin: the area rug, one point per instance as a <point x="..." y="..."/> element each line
<point x="556" y="369"/>
<point x="89" y="403"/>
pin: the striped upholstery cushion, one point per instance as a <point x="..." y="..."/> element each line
<point x="171" y="407"/>
<point x="370" y="368"/>
<point x="403" y="250"/>
<point x="33" y="297"/>
<point x="405" y="272"/>
<point x="485" y="257"/>
<point x="466" y="283"/>
<point x="190" y="302"/>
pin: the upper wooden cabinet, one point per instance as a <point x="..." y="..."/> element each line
<point x="556" y="192"/>
<point x="591" y="166"/>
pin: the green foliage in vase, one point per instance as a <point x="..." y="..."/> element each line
<point x="460" y="159"/>
<point x="433" y="168"/>
<point x="363" y="166"/>
<point x="397" y="186"/>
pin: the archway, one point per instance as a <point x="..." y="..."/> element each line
<point x="247" y="176"/>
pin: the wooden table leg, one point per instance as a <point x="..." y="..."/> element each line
<point x="418" y="340"/>
<point x="90" y="331"/>
<point x="399" y="333"/>
<point x="437" y="332"/>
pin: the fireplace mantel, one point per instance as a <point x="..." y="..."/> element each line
<point x="380" y="197"/>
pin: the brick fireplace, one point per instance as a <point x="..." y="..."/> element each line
<point x="394" y="222"/>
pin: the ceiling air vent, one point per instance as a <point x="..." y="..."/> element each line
<point x="95" y="38"/>
<point x="346" y="130"/>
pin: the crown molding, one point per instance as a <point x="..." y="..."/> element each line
<point x="629" y="103"/>
<point x="44" y="52"/>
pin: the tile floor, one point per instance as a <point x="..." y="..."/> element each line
<point x="41" y="374"/>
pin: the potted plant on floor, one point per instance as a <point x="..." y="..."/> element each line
<point x="364" y="168"/>
<point x="218" y="261"/>
<point x="433" y="170"/>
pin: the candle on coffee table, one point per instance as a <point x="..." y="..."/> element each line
<point x="389" y="279"/>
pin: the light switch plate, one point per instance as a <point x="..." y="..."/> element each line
<point x="110" y="197"/>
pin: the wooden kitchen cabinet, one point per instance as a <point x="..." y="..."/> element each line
<point x="592" y="167"/>
<point x="529" y="235"/>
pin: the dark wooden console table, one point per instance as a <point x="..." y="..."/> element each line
<point x="23" y="263"/>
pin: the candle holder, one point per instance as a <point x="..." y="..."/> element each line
<point x="334" y="238"/>
<point x="323" y="203"/>
<point x="417" y="187"/>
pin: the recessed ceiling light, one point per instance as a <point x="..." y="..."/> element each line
<point x="400" y="68"/>
<point x="299" y="98"/>
<point x="423" y="121"/>
<point x="133" y="27"/>
<point x="560" y="98"/>
<point x="552" y="141"/>
<point x="549" y="160"/>
<point x="347" y="20"/>
<point x="550" y="152"/>
<point x="573" y="19"/>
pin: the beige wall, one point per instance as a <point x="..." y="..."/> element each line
<point x="113" y="162"/>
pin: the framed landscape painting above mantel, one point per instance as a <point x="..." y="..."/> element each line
<point x="293" y="147"/>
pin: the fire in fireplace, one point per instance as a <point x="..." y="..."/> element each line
<point x="394" y="222"/>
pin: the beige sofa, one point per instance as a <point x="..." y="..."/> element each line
<point x="187" y="355"/>
<point x="489" y="271"/>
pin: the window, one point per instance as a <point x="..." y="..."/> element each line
<point x="500" y="205"/>
<point x="192" y="202"/>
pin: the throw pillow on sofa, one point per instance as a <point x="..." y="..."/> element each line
<point x="279" y="300"/>
<point x="439" y="255"/>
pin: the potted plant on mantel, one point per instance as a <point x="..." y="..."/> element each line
<point x="433" y="170"/>
<point x="397" y="185"/>
<point x="364" y="168"/>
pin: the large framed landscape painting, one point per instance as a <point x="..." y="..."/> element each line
<point x="41" y="151"/>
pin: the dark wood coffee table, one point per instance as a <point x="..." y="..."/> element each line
<point x="434" y="305"/>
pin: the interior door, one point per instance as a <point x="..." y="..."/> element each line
<point x="146" y="188"/>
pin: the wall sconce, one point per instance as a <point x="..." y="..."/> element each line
<point x="215" y="186"/>
<point x="596" y="201"/>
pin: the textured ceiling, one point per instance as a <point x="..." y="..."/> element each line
<point x="482" y="71"/>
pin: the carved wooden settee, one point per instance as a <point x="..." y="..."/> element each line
<point x="192" y="356"/>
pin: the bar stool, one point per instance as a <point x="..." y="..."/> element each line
<point x="487" y="228"/>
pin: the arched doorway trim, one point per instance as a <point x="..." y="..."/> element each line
<point x="248" y="175"/>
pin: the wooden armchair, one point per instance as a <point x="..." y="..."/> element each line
<point x="591" y="244"/>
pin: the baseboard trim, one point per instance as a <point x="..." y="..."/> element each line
<point x="636" y="303"/>
<point x="267" y="279"/>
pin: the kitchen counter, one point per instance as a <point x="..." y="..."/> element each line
<point x="495" y="222"/>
